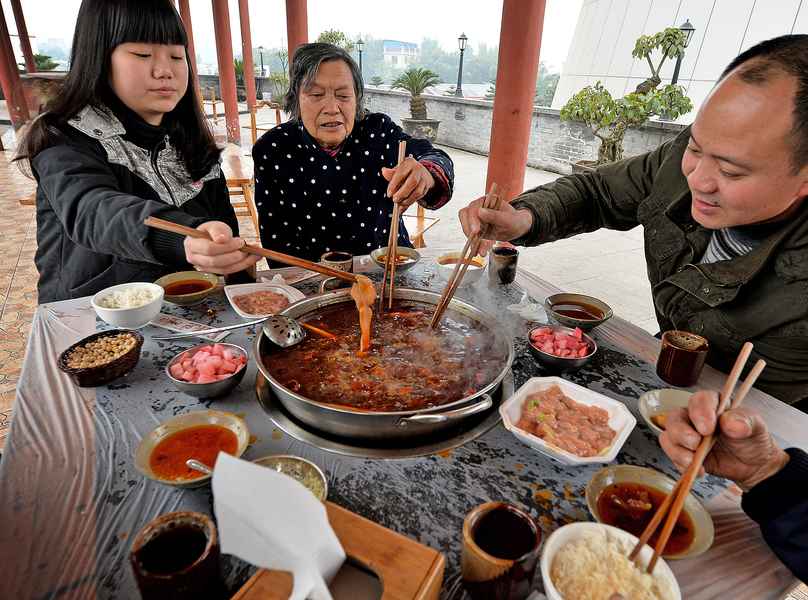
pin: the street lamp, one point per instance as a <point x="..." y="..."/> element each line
<point x="260" y="93"/>
<point x="688" y="29"/>
<point x="359" y="45"/>
<point x="461" y="43"/>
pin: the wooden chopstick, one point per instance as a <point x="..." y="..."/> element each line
<point x="318" y="331"/>
<point x="676" y="499"/>
<point x="248" y="249"/>
<point x="468" y="253"/>
<point x="392" y="241"/>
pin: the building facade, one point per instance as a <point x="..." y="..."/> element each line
<point x="607" y="30"/>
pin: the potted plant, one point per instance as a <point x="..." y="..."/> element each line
<point x="609" y="118"/>
<point x="415" y="81"/>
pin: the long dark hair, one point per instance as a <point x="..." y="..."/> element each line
<point x="101" y="26"/>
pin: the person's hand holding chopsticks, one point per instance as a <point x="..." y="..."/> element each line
<point x="744" y="451"/>
<point x="507" y="223"/>
<point x="220" y="253"/>
<point x="409" y="182"/>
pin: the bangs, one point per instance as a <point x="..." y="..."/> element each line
<point x="146" y="22"/>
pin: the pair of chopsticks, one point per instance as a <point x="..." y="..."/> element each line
<point x="676" y="499"/>
<point x="492" y="201"/>
<point x="248" y="249"/>
<point x="392" y="243"/>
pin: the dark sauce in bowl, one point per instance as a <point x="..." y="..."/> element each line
<point x="187" y="286"/>
<point x="576" y="310"/>
<point x="631" y="506"/>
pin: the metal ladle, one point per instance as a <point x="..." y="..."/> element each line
<point x="280" y="330"/>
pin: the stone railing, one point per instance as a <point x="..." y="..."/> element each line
<point x="554" y="144"/>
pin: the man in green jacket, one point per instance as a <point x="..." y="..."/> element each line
<point x="723" y="210"/>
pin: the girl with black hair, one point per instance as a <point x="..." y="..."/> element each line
<point x="124" y="140"/>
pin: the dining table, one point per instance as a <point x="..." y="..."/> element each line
<point x="71" y="500"/>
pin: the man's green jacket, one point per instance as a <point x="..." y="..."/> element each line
<point x="761" y="296"/>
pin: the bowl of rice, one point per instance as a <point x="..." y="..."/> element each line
<point x="129" y="305"/>
<point x="590" y="560"/>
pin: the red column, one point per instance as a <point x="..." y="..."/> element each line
<point x="22" y="32"/>
<point x="517" y="68"/>
<point x="246" y="51"/>
<point x="297" y="25"/>
<point x="10" y="77"/>
<point x="227" y="72"/>
<point x="185" y="15"/>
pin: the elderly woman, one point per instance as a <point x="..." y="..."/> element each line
<point x="327" y="178"/>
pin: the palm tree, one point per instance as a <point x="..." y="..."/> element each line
<point x="415" y="81"/>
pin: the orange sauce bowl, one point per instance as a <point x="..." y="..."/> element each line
<point x="199" y="435"/>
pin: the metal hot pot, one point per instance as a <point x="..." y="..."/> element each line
<point x="344" y="421"/>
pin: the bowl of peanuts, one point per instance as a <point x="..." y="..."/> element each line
<point x="101" y="357"/>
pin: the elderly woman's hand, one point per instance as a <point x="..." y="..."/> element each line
<point x="409" y="182"/>
<point x="744" y="451"/>
<point x="221" y="253"/>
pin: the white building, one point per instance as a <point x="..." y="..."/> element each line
<point x="607" y="29"/>
<point x="400" y="55"/>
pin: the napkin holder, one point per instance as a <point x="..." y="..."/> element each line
<point x="408" y="570"/>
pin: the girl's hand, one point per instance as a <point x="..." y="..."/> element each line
<point x="221" y="253"/>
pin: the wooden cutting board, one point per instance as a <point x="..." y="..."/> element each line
<point x="408" y="570"/>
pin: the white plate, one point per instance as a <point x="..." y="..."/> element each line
<point x="568" y="533"/>
<point x="231" y="291"/>
<point x="620" y="419"/>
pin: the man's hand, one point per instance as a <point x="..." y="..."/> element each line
<point x="221" y="253"/>
<point x="409" y="182"/>
<point x="507" y="222"/>
<point x="744" y="451"/>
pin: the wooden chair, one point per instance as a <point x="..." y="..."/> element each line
<point x="238" y="173"/>
<point x="418" y="224"/>
<point x="214" y="102"/>
<point x="255" y="126"/>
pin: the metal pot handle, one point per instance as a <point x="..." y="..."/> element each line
<point x="484" y="404"/>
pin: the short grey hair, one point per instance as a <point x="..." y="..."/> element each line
<point x="305" y="65"/>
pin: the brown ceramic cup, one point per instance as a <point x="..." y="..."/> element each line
<point x="176" y="556"/>
<point x="501" y="546"/>
<point x="502" y="264"/>
<point x="681" y="357"/>
<point x="342" y="261"/>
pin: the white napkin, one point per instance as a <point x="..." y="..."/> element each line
<point x="272" y="521"/>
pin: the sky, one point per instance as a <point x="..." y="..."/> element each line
<point x="411" y="21"/>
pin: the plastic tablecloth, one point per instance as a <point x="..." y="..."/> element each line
<point x="71" y="500"/>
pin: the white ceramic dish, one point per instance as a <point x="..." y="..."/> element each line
<point x="129" y="318"/>
<point x="620" y="419"/>
<point x="568" y="533"/>
<point x="231" y="291"/>
<point x="473" y="273"/>
<point x="659" y="402"/>
<point x="193" y="419"/>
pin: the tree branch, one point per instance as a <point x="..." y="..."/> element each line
<point x="650" y="65"/>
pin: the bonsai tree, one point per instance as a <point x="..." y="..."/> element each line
<point x="415" y="81"/>
<point x="609" y="118"/>
<point x="376" y="80"/>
